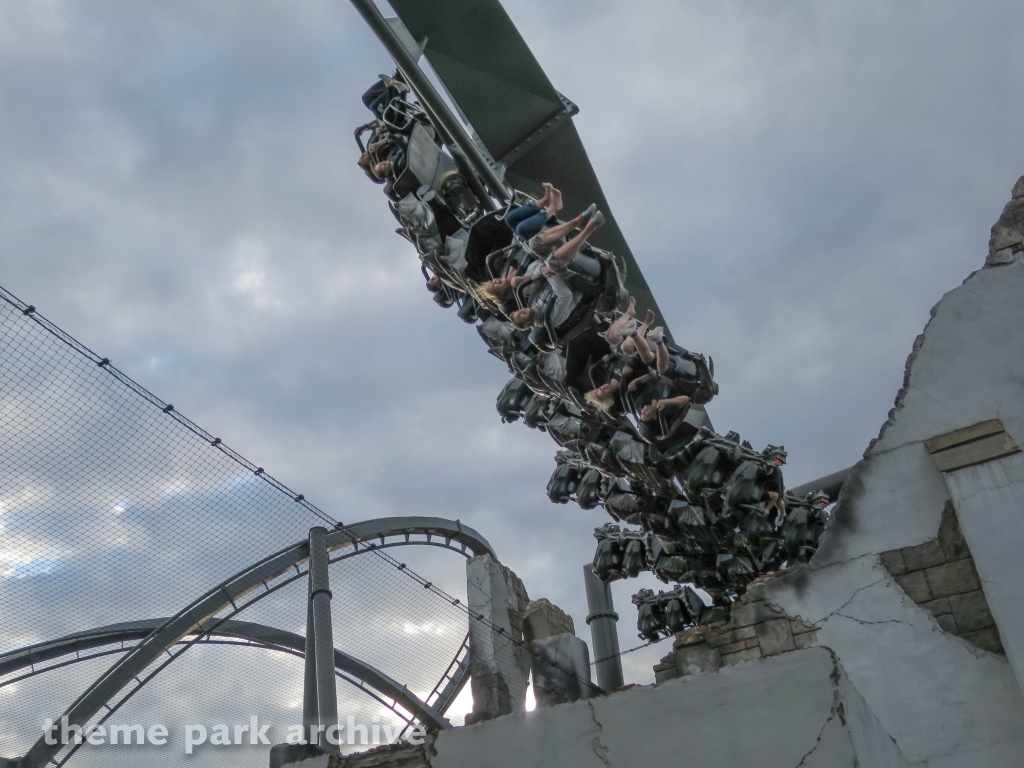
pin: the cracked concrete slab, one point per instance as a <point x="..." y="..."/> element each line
<point x="790" y="710"/>
<point x="833" y="746"/>
<point x="968" y="369"/>
<point x="872" y="745"/>
<point x="815" y="594"/>
<point x="933" y="692"/>
<point x="904" y="479"/>
<point x="596" y="744"/>
<point x="946" y="702"/>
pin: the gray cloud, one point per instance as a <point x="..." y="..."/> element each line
<point x="801" y="183"/>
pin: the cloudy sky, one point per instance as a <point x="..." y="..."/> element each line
<point x="800" y="182"/>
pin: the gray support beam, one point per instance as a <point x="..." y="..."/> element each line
<point x="310" y="709"/>
<point x="602" y="619"/>
<point x="430" y="98"/>
<point x="830" y="484"/>
<point x="323" y="635"/>
<point x="461" y="161"/>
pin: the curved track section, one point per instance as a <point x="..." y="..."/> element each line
<point x="258" y="634"/>
<point x="200" y="618"/>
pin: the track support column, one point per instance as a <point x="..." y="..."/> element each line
<point x="320" y="671"/>
<point x="602" y="619"/>
<point x="310" y="710"/>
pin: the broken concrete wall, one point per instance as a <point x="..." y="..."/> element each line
<point x="755" y="630"/>
<point x="796" y="709"/>
<point x="1007" y="242"/>
<point x="946" y="701"/>
<point x="543" y="619"/>
<point x="560" y="663"/>
<point x="499" y="663"/>
<point x="561" y="670"/>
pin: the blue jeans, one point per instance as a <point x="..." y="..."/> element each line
<point x="526" y="220"/>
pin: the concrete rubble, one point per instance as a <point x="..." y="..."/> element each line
<point x="499" y="661"/>
<point x="561" y="661"/>
<point x="796" y="709"/>
<point x="561" y="670"/>
<point x="1007" y="242"/>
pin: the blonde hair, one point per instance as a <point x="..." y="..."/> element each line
<point x="484" y="294"/>
<point x="603" y="403"/>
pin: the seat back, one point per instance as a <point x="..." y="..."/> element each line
<point x="400" y="114"/>
<point x="486" y="236"/>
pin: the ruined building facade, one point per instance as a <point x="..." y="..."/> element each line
<point x="900" y="644"/>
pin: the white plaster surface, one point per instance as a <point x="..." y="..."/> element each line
<point x="971" y="366"/>
<point x="780" y="712"/>
<point x="868" y="740"/>
<point x="894" y="499"/>
<point x="989" y="500"/>
<point x="932" y="692"/>
<point x="946" y="703"/>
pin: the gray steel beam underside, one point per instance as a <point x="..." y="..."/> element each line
<point x="191" y="620"/>
<point x="264" y="636"/>
<point x="830" y="484"/>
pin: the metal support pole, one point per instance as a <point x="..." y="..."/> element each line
<point x="463" y="164"/>
<point x="603" y="630"/>
<point x="429" y="96"/>
<point x="475" y="185"/>
<point x="323" y="635"/>
<point x="310" y="710"/>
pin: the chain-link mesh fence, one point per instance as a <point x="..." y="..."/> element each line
<point x="116" y="508"/>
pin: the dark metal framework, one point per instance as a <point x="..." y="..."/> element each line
<point x="520" y="130"/>
<point x="712" y="512"/>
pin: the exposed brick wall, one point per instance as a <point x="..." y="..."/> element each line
<point x="939" y="575"/>
<point x="755" y="630"/>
